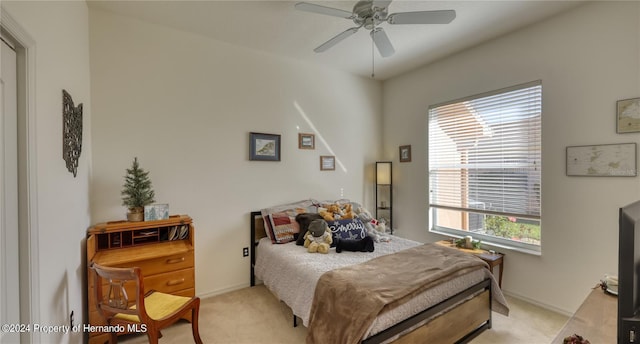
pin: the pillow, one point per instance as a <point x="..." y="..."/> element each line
<point x="303" y="221"/>
<point x="283" y="227"/>
<point x="279" y="221"/>
<point x="352" y="229"/>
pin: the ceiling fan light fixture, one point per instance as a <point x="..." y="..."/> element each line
<point x="369" y="23"/>
<point x="380" y="16"/>
<point x="378" y="5"/>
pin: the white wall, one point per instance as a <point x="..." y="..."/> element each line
<point x="587" y="59"/>
<point x="61" y="46"/>
<point x="185" y="104"/>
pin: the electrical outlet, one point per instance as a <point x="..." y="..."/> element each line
<point x="71" y="319"/>
<point x="245" y="252"/>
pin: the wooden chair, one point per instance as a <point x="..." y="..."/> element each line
<point x="150" y="312"/>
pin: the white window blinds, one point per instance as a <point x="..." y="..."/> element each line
<point x="484" y="152"/>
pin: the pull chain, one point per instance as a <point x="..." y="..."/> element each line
<point x="373" y="75"/>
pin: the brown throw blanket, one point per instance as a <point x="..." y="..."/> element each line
<point x="347" y="300"/>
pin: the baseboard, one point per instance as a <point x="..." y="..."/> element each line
<point x="538" y="303"/>
<point x="222" y="291"/>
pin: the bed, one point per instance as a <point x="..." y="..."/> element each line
<point x="454" y="311"/>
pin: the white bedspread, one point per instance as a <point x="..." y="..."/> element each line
<point x="291" y="273"/>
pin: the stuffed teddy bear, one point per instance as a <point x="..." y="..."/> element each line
<point x="358" y="245"/>
<point x="303" y="220"/>
<point x="330" y="212"/>
<point x="334" y="212"/>
<point x="318" y="237"/>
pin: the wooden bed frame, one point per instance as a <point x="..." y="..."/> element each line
<point x="462" y="321"/>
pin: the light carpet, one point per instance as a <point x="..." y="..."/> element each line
<point x="255" y="316"/>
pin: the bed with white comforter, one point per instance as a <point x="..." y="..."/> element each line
<point x="291" y="274"/>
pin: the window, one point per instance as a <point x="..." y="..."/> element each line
<point x="484" y="166"/>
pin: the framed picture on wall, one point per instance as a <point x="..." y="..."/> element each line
<point x="327" y="162"/>
<point x="628" y="116"/>
<point x="306" y="141"/>
<point x="608" y="160"/>
<point x="405" y="153"/>
<point x="265" y="147"/>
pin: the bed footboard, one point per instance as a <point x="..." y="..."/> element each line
<point x="470" y="318"/>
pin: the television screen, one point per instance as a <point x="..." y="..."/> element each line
<point x="629" y="274"/>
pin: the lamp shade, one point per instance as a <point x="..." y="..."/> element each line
<point x="383" y="172"/>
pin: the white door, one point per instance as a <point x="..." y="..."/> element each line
<point x="9" y="271"/>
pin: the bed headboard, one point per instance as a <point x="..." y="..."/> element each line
<point x="257" y="226"/>
<point x="257" y="233"/>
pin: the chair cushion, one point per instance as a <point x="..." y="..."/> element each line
<point x="158" y="306"/>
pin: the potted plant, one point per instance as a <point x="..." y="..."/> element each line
<point x="136" y="192"/>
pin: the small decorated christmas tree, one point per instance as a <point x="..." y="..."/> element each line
<point x="137" y="191"/>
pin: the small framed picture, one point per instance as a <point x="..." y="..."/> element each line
<point x="306" y="141"/>
<point x="156" y="212"/>
<point x="405" y="153"/>
<point x="628" y="116"/>
<point x="265" y="147"/>
<point x="327" y="162"/>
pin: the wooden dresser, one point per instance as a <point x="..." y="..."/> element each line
<point x="163" y="249"/>
<point x="596" y="320"/>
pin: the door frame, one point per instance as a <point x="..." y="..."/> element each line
<point x="27" y="174"/>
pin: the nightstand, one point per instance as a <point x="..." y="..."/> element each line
<point x="493" y="259"/>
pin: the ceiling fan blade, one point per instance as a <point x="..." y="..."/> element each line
<point x="336" y="39"/>
<point x="382" y="42"/>
<point x="422" y="17"/>
<point x="330" y="11"/>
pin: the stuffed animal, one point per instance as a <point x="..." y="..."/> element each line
<point x="303" y="220"/>
<point x="575" y="339"/>
<point x="375" y="229"/>
<point x="333" y="212"/>
<point x="330" y="212"/>
<point x="318" y="237"/>
<point x="359" y="245"/>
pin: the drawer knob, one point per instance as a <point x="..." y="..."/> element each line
<point x="175" y="260"/>
<point x="175" y="282"/>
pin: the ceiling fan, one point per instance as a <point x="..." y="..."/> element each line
<point x="371" y="13"/>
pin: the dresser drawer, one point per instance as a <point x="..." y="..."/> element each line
<point x="158" y="265"/>
<point x="170" y="282"/>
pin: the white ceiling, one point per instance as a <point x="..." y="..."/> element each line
<point x="276" y="27"/>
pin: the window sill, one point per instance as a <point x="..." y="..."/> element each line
<point x="488" y="243"/>
<point x="512" y="248"/>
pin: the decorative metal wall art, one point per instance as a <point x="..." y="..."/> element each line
<point x="71" y="132"/>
